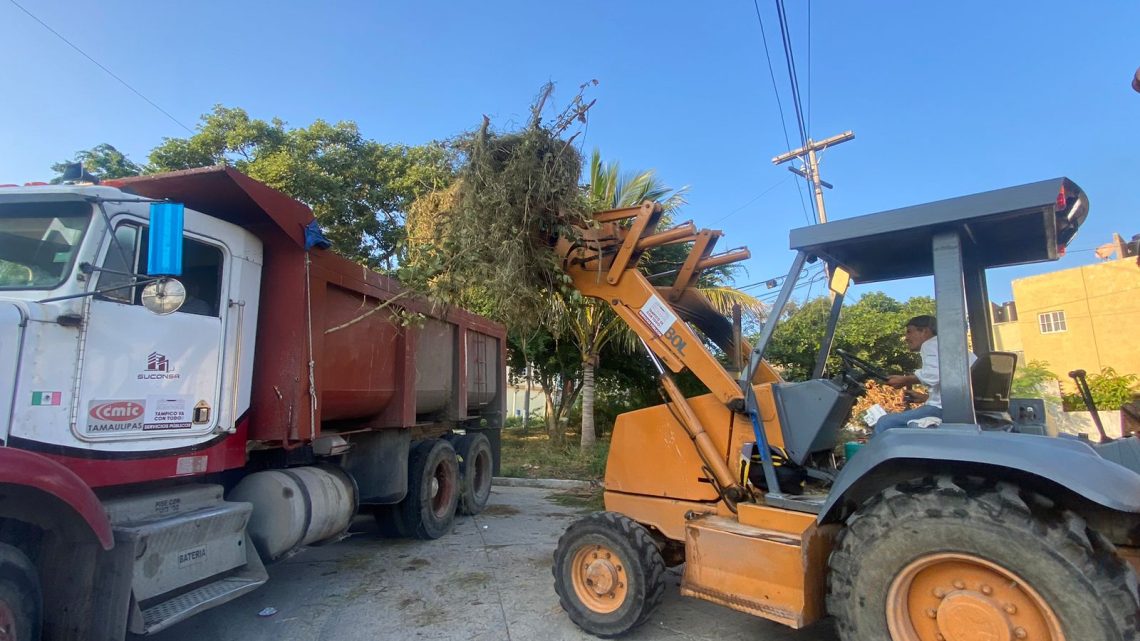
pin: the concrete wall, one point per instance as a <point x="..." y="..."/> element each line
<point x="1101" y="303"/>
<point x="516" y="400"/>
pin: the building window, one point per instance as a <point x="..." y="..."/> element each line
<point x="1051" y="322"/>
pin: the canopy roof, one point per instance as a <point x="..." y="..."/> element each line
<point x="1016" y="225"/>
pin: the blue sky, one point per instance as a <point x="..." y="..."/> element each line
<point x="945" y="98"/>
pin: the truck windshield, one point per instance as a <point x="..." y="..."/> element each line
<point x="38" y="242"/>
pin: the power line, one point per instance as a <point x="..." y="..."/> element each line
<point x="793" y="76"/>
<point x="98" y="64"/>
<point x="779" y="103"/>
<point x="797" y="103"/>
<point x="809" y="66"/>
<point x="758" y="197"/>
<point x="772" y="74"/>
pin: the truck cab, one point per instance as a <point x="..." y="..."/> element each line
<point x="73" y="266"/>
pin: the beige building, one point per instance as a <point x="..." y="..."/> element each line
<point x="1080" y="318"/>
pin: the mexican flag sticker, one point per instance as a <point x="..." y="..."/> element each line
<point x="46" y="398"/>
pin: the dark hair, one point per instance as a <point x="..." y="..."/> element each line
<point x="924" y="322"/>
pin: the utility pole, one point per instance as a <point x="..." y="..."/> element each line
<point x="526" y="399"/>
<point x="811" y="164"/>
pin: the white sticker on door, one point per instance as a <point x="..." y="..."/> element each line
<point x="168" y="413"/>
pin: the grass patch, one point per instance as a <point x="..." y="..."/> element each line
<point x="531" y="455"/>
<point x="590" y="500"/>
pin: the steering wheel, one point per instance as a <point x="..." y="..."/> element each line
<point x="852" y="361"/>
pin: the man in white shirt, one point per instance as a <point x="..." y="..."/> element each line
<point x="922" y="337"/>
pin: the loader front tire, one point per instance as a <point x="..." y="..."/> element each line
<point x="939" y="559"/>
<point x="608" y="573"/>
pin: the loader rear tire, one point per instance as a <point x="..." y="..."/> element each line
<point x="940" y="559"/>
<point x="433" y="490"/>
<point x="475" y="468"/>
<point x="608" y="573"/>
<point x="21" y="603"/>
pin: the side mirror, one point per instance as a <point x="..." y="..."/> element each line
<point x="840" y="281"/>
<point x="164" y="256"/>
<point x="164" y="296"/>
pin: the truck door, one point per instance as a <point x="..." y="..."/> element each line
<point x="151" y="382"/>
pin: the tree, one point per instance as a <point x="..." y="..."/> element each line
<point x="103" y="162"/>
<point x="359" y="189"/>
<point x="1030" y="378"/>
<point x="871" y="328"/>
<point x="591" y="323"/>
<point x="556" y="365"/>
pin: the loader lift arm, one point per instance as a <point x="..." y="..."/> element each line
<point x="603" y="263"/>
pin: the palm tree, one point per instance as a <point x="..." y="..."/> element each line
<point x="592" y="323"/>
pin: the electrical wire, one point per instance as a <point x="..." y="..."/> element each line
<point x="808" y="66"/>
<point x="797" y="103"/>
<point x="793" y="78"/>
<point x="780" y="106"/>
<point x="758" y="197"/>
<point x="101" y="66"/>
<point x="772" y="74"/>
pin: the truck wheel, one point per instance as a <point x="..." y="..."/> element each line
<point x="433" y="490"/>
<point x="608" y="574"/>
<point x="475" y="465"/>
<point x="21" y="605"/>
<point x="942" y="560"/>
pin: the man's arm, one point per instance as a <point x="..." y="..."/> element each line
<point x="902" y="380"/>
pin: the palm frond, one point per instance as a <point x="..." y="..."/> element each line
<point x="723" y="298"/>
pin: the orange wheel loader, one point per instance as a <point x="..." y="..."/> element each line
<point x="983" y="528"/>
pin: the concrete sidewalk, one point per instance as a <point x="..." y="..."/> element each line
<point x="489" y="580"/>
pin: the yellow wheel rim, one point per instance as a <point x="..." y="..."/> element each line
<point x="600" y="578"/>
<point x="961" y="597"/>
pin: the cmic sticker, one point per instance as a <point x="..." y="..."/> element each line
<point x="112" y="416"/>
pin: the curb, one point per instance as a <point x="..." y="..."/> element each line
<point x="546" y="484"/>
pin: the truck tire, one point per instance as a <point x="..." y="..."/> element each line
<point x="433" y="490"/>
<point x="941" y="559"/>
<point x="21" y="602"/>
<point x="608" y="573"/>
<point x="475" y="465"/>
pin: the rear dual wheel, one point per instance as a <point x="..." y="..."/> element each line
<point x="476" y="465"/>
<point x="428" y="509"/>
<point x="608" y="573"/>
<point x="939" y="561"/>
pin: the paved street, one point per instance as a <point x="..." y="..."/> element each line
<point x="489" y="581"/>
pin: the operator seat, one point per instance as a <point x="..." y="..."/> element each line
<point x="992" y="379"/>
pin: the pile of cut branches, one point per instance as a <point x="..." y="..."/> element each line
<point x="487" y="241"/>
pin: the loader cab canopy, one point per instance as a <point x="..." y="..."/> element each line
<point x="954" y="240"/>
<point x="1012" y="226"/>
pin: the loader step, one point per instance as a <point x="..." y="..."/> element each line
<point x="164" y="614"/>
<point x="807" y="503"/>
<point x="187" y="548"/>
